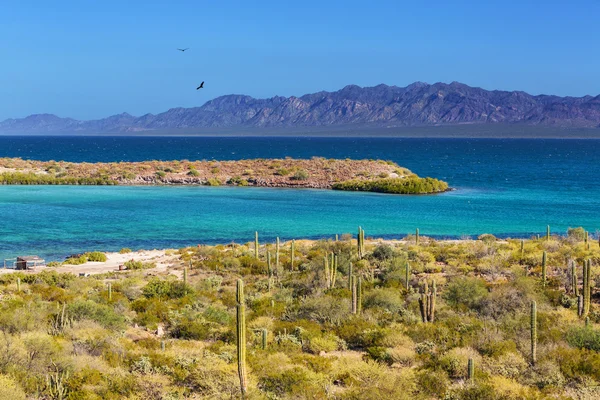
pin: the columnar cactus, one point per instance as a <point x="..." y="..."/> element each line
<point x="406" y="275"/>
<point x="269" y="266"/>
<point x="337" y="238"/>
<point x="361" y="242"/>
<point x="587" y="289"/>
<point x="417" y="237"/>
<point x="358" y="295"/>
<point x="256" y="245"/>
<point x="547" y="232"/>
<point x="427" y="302"/>
<point x="522" y="248"/>
<point x="327" y="272"/>
<point x="470" y="370"/>
<point x="264" y="337"/>
<point x="574" y="287"/>
<point x="544" y="264"/>
<point x="586" y="238"/>
<point x="350" y="277"/>
<point x="292" y="253"/>
<point x="185" y="276"/>
<point x="533" y="332"/>
<point x="18" y="284"/>
<point x="354" y="295"/>
<point x="277" y="254"/>
<point x="241" y="336"/>
<point x="109" y="291"/>
<point x="334" y="270"/>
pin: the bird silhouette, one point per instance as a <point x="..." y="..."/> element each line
<point x="183" y="49"/>
<point x="201" y="86"/>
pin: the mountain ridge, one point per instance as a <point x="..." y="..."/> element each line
<point x="418" y="104"/>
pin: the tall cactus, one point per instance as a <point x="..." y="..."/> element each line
<point x="256" y="244"/>
<point x="350" y="268"/>
<point x="587" y="289"/>
<point x="522" y="249"/>
<point x="354" y="304"/>
<point x="269" y="266"/>
<point x="292" y="253"/>
<point x="337" y="238"/>
<point x="277" y="254"/>
<point x="547" y="232"/>
<point x="109" y="291"/>
<point x="574" y="285"/>
<point x="185" y="276"/>
<point x="241" y="336"/>
<point x="18" y="284"/>
<point x="586" y="237"/>
<point x="427" y="302"/>
<point x="327" y="272"/>
<point x="544" y="264"/>
<point x="471" y="370"/>
<point x="264" y="337"/>
<point x="334" y="269"/>
<point x="533" y="332"/>
<point x="360" y="242"/>
<point x="417" y="237"/>
<point x="406" y="275"/>
<point x="359" y="295"/>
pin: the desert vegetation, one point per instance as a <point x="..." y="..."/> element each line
<point x="352" y="318"/>
<point x="321" y="173"/>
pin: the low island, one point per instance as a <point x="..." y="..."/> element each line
<point x="317" y="173"/>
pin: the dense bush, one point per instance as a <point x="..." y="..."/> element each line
<point x="412" y="185"/>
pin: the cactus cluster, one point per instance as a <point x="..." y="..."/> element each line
<point x="361" y="243"/>
<point x="60" y="321"/>
<point x="427" y="302"/>
<point x="331" y="266"/>
<point x="241" y="336"/>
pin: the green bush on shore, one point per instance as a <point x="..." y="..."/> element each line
<point x="411" y="185"/>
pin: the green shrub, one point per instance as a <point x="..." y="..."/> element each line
<point x="96" y="256"/>
<point x="125" y="250"/>
<point x="213" y="182"/>
<point x="300" y="175"/>
<point x="412" y="185"/>
<point x="584" y="338"/>
<point x="193" y="172"/>
<point x="465" y="293"/>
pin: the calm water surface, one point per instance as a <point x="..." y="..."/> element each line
<point x="506" y="187"/>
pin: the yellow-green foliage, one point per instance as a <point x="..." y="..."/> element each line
<point x="316" y="348"/>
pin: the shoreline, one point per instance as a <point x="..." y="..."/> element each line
<point x="166" y="258"/>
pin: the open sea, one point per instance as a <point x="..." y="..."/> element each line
<point x="508" y="187"/>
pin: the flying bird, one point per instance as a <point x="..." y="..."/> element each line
<point x="183" y="49"/>
<point x="201" y="86"/>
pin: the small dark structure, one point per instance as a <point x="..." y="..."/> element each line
<point x="29" y="262"/>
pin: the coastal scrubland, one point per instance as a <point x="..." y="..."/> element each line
<point x="318" y="173"/>
<point x="345" y="318"/>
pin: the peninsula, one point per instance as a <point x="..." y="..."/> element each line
<point x="317" y="173"/>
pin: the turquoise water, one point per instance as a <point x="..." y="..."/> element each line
<point x="506" y="187"/>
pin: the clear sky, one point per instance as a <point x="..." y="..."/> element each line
<point x="90" y="59"/>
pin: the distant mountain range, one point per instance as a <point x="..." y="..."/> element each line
<point x="418" y="104"/>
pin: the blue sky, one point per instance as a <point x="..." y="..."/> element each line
<point x="89" y="59"/>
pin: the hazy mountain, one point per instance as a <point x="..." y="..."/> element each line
<point x="418" y="104"/>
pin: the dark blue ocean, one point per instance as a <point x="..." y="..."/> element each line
<point x="509" y="187"/>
